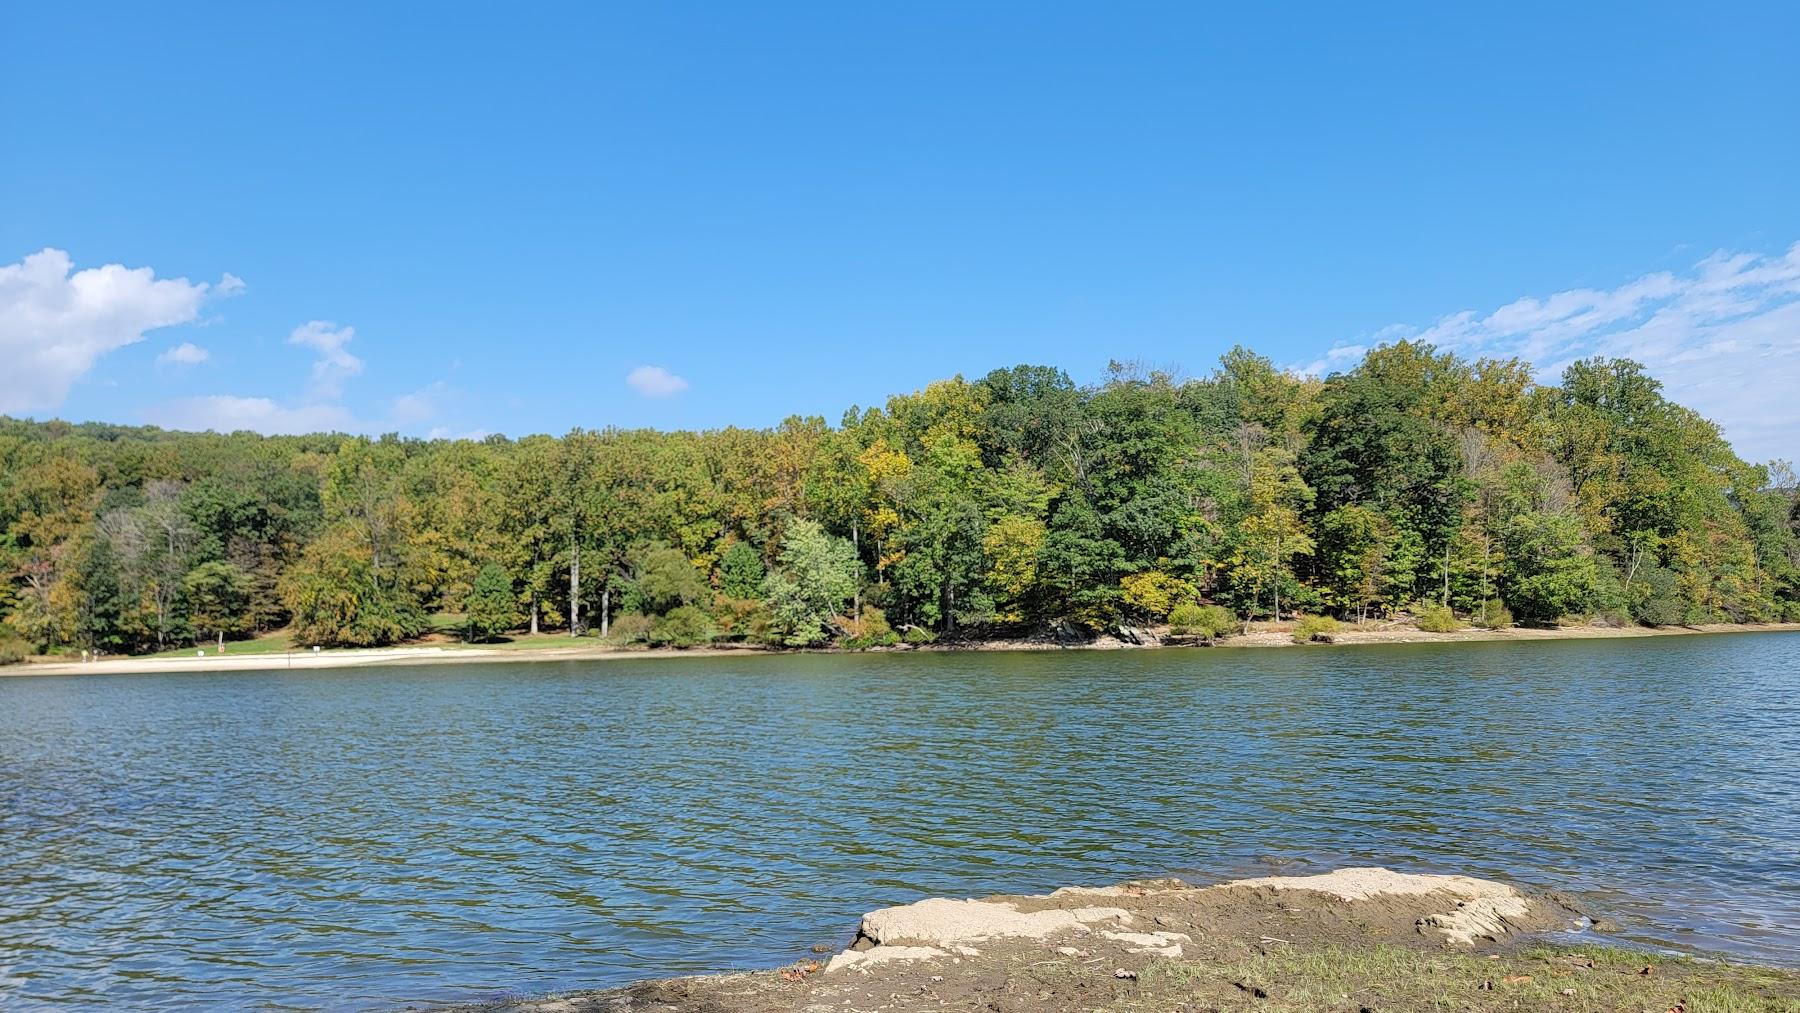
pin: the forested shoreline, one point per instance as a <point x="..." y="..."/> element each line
<point x="1456" y="491"/>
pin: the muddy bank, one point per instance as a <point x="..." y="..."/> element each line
<point x="1260" y="635"/>
<point x="1355" y="939"/>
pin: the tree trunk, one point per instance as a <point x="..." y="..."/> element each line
<point x="1484" y="573"/>
<point x="575" y="590"/>
<point x="605" y="610"/>
<point x="221" y="641"/>
<point x="1446" y="574"/>
<point x="534" y="613"/>
<point x="1279" y="567"/>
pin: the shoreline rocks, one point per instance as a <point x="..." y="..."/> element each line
<point x="1071" y="948"/>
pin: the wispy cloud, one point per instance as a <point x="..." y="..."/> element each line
<point x="1723" y="337"/>
<point x="421" y="405"/>
<point x="334" y="364"/>
<point x="185" y="354"/>
<point x="227" y="413"/>
<point x="56" y="322"/>
<point x="310" y="412"/>
<point x="319" y="410"/>
<point x="655" y="381"/>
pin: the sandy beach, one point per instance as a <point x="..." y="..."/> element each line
<point x="1260" y="635"/>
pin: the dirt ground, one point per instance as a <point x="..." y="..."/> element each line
<point x="1359" y="941"/>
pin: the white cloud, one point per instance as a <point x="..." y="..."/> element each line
<point x="226" y="413"/>
<point x="446" y="433"/>
<point x="313" y="413"/>
<point x="56" y="322"/>
<point x="655" y="381"/>
<point x="185" y="354"/>
<point x="334" y="365"/>
<point x="1335" y="359"/>
<point x="421" y="405"/>
<point x="1724" y="339"/>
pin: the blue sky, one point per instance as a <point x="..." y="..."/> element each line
<point x="486" y="218"/>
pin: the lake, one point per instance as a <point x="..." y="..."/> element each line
<point x="365" y="838"/>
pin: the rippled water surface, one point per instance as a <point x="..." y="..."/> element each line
<point x="359" y="839"/>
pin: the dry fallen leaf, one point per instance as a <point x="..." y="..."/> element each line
<point x="800" y="970"/>
<point x="1648" y="970"/>
<point x="1517" y="979"/>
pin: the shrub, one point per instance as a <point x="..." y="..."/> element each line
<point x="1434" y="618"/>
<point x="917" y="635"/>
<point x="1660" y="602"/>
<point x="740" y="618"/>
<point x="1314" y="629"/>
<point x="1153" y="591"/>
<point x="870" y="630"/>
<point x="13" y="652"/>
<point x="1185" y="618"/>
<point x="685" y="626"/>
<point x="1493" y="615"/>
<point x="1613" y="617"/>
<point x="630" y="628"/>
<point x="1210" y="621"/>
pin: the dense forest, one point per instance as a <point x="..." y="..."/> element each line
<point x="1418" y="482"/>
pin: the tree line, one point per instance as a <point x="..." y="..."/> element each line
<point x="1416" y="482"/>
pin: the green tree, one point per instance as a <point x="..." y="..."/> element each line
<point x="659" y="578"/>
<point x="817" y="576"/>
<point x="338" y="596"/>
<point x="492" y="607"/>
<point x="741" y="571"/>
<point x="1273" y="533"/>
<point x="218" y="599"/>
<point x="1549" y="571"/>
<point x="1357" y="549"/>
<point x="100" y="602"/>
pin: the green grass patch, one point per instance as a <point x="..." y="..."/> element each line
<point x="278" y="642"/>
<point x="1396" y="979"/>
<point x="525" y="641"/>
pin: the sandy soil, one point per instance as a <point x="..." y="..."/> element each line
<point x="1260" y="635"/>
<point x="1355" y="939"/>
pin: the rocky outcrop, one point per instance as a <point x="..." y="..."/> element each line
<point x="1071" y="949"/>
<point x="1141" y="918"/>
<point x="1483" y="909"/>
